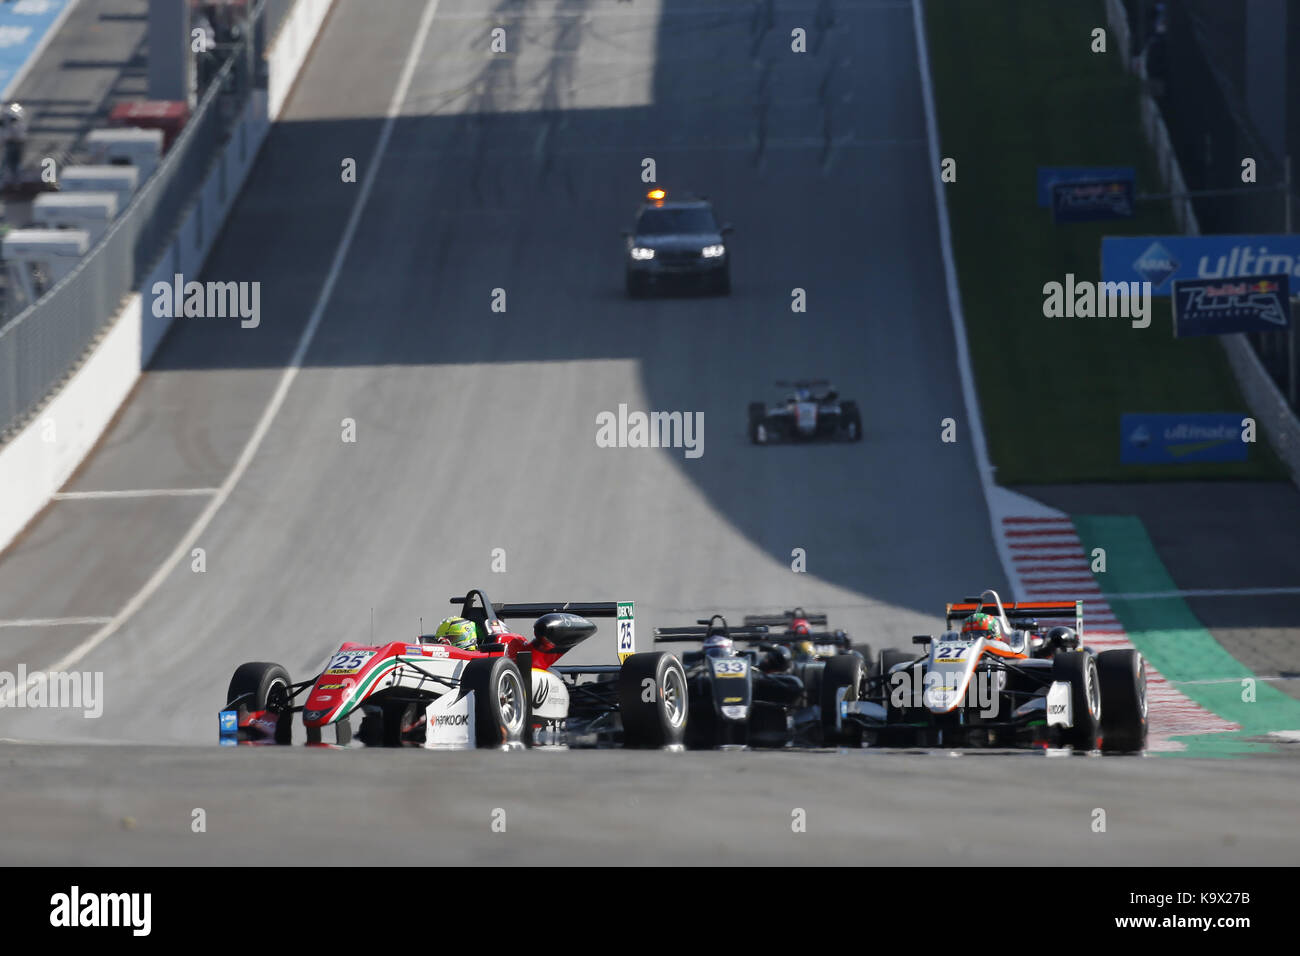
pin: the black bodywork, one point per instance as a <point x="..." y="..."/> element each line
<point x="758" y="695"/>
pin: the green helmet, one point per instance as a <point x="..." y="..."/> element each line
<point x="458" y="632"/>
<point x="982" y="625"/>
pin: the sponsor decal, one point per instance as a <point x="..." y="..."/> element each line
<point x="1090" y="201"/>
<point x="348" y="662"/>
<point x="1159" y="259"/>
<point x="330" y="686"/>
<point x="1051" y="176"/>
<point x="229" y="721"/>
<point x="1222" y="307"/>
<point x="730" y="668"/>
<point x="626" y="631"/>
<point x="1155" y="439"/>
<point x="451" y="720"/>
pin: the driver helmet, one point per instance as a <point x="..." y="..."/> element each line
<point x="807" y="649"/>
<point x="800" y="627"/>
<point x="777" y="660"/>
<point x="982" y="625"/>
<point x="717" y="645"/>
<point x="458" y="632"/>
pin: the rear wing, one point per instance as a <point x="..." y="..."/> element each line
<point x="784" y="619"/>
<point x="666" y="635"/>
<point x="802" y="383"/>
<point x="475" y="606"/>
<point x="1019" y="610"/>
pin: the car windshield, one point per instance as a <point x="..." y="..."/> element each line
<point x="662" y="222"/>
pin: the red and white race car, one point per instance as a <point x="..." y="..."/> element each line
<point x="508" y="692"/>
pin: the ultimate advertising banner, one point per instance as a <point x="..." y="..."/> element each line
<point x="1162" y="259"/>
<point x="1224" y="306"/>
<point x="1151" y="439"/>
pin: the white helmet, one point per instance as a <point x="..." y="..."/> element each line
<point x="717" y="645"/>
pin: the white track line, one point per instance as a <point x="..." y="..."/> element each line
<point x="53" y="621"/>
<point x="970" y="398"/>
<point x="134" y="493"/>
<point x="286" y="379"/>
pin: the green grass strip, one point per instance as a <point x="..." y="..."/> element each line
<point x="1016" y="87"/>
<point x="1175" y="642"/>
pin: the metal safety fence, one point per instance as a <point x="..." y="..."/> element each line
<point x="46" y="342"/>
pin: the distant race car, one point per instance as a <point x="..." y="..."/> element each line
<point x="1004" y="680"/>
<point x="797" y="630"/>
<point x="678" y="241"/>
<point x="760" y="696"/>
<point x="812" y="410"/>
<point x="508" y="692"/>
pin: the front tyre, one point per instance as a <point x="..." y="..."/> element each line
<point x="1079" y="670"/>
<point x="264" y="686"/>
<point x="659" y="721"/>
<point x="500" y="704"/>
<point x="1123" y="677"/>
<point x="840" y="672"/>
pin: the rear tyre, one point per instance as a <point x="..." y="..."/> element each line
<point x="852" y="421"/>
<point x="267" y="688"/>
<point x="1123" y="678"/>
<point x="840" y="672"/>
<point x="757" y="427"/>
<point x="1079" y="669"/>
<point x="660" y="721"/>
<point x="500" y="704"/>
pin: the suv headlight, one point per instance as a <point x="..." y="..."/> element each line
<point x="712" y="252"/>
<point x="640" y="253"/>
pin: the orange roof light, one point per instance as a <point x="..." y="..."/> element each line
<point x="656" y="194"/>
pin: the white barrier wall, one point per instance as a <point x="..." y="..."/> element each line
<point x="1276" y="419"/>
<point x="43" y="456"/>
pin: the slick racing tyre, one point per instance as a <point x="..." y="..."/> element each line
<point x="661" y="720"/>
<point x="891" y="656"/>
<point x="852" y="421"/>
<point x="841" y="672"/>
<point x="500" y="703"/>
<point x="1079" y="669"/>
<point x="757" y="425"/>
<point x="1123" y="676"/>
<point x="267" y="686"/>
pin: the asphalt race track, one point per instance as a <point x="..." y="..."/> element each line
<point x="310" y="807"/>
<point x="475" y="431"/>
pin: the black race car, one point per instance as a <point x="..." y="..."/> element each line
<point x="676" y="241"/>
<point x="759" y="695"/>
<point x="807" y="636"/>
<point x="812" y="410"/>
